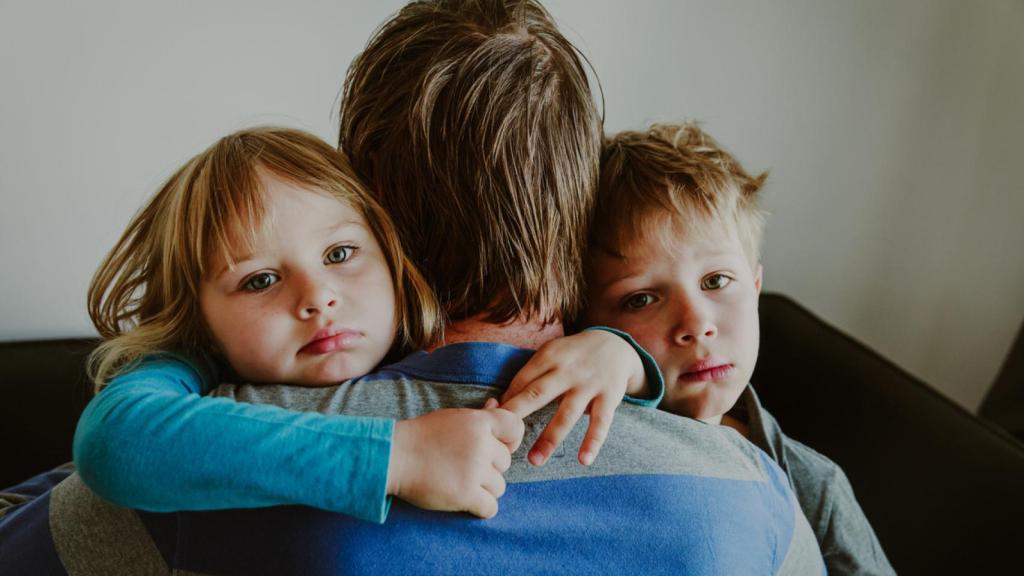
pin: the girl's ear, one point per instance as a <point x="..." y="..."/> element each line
<point x="758" y="274"/>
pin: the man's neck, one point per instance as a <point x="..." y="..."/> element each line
<point x="520" y="332"/>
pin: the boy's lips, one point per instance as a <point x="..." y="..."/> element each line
<point x="330" y="339"/>
<point x="706" y="371"/>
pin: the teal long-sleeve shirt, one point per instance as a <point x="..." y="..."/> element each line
<point x="154" y="441"/>
<point x="151" y="440"/>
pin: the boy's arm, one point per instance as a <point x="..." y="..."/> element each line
<point x="151" y="441"/>
<point x="590" y="372"/>
<point x="847" y="541"/>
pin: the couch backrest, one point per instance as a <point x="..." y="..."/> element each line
<point x="943" y="488"/>
<point x="1004" y="403"/>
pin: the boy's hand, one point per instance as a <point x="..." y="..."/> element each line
<point x="589" y="372"/>
<point x="453" y="460"/>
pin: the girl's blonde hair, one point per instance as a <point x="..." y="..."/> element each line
<point x="144" y="297"/>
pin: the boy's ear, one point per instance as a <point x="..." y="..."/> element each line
<point x="758" y="274"/>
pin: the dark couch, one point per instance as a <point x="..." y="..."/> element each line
<point x="943" y="488"/>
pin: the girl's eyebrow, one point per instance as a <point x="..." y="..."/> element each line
<point x="328" y="230"/>
<point x="234" y="264"/>
<point x="343" y="224"/>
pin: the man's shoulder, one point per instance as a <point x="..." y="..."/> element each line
<point x="699" y="495"/>
<point x="70" y="530"/>
<point x="641" y="441"/>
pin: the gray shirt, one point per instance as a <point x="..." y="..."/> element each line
<point x="847" y="542"/>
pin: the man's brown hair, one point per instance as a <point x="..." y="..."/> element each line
<point x="473" y="123"/>
<point x="679" y="171"/>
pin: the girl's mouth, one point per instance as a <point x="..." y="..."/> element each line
<point x="330" y="340"/>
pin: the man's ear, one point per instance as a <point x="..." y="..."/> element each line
<point x="758" y="274"/>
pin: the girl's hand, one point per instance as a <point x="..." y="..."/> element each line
<point x="588" y="372"/>
<point x="453" y="460"/>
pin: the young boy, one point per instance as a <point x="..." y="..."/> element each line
<point x="675" y="263"/>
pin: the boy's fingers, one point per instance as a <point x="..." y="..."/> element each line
<point x="507" y="428"/>
<point x="569" y="412"/>
<point x="537" y="395"/>
<point x="490" y="403"/>
<point x="533" y="370"/>
<point x="601" y="414"/>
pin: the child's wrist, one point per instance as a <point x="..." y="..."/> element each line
<point x="653" y="384"/>
<point x="637" y="384"/>
<point x="395" y="460"/>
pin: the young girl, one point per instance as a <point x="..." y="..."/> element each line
<point x="263" y="259"/>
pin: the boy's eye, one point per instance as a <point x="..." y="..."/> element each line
<point x="338" y="254"/>
<point x="715" y="282"/>
<point x="260" y="281"/>
<point x="638" y="301"/>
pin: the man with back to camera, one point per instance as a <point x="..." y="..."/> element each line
<point x="474" y="123"/>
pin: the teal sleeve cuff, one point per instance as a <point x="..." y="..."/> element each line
<point x="368" y="485"/>
<point x="651" y="370"/>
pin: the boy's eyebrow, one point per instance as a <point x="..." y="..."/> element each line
<point x="620" y="278"/>
<point x="619" y="259"/>
<point x="726" y="254"/>
<point x="629" y="272"/>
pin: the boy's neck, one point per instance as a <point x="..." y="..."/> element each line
<point x="734" y="423"/>
<point x="521" y="332"/>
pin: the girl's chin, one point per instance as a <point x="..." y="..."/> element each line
<point x="327" y="371"/>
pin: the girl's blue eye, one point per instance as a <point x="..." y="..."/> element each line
<point x="338" y="254"/>
<point x="260" y="281"/>
<point x="715" y="282"/>
<point x="638" y="301"/>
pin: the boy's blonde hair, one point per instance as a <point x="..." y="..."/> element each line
<point x="144" y="297"/>
<point x="678" y="171"/>
<point x="474" y="123"/>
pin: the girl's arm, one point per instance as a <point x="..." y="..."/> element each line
<point x="151" y="440"/>
<point x="592" y="372"/>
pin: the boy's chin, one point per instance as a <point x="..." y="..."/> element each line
<point x="706" y="401"/>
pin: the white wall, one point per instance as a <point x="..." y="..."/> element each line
<point x="891" y="129"/>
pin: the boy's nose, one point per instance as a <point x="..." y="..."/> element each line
<point x="694" y="326"/>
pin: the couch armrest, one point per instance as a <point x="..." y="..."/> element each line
<point x="44" y="390"/>
<point x="943" y="489"/>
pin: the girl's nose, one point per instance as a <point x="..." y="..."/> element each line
<point x="316" y="298"/>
